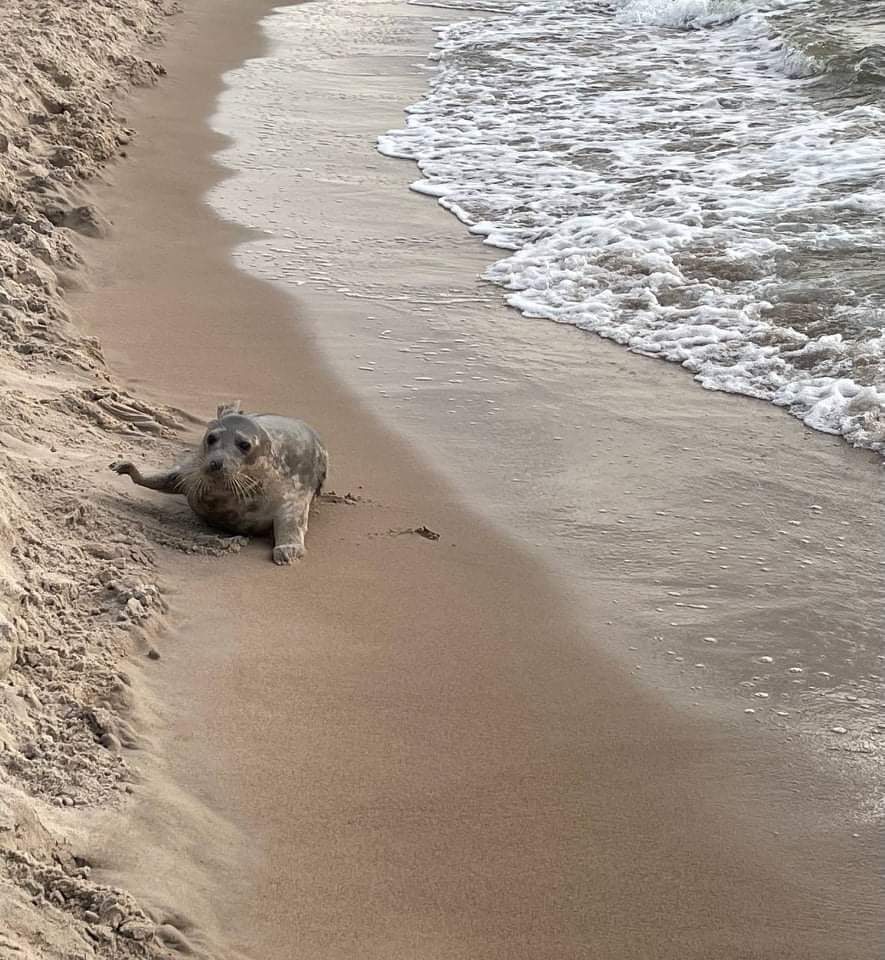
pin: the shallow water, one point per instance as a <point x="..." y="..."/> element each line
<point x="743" y="577"/>
<point x="700" y="180"/>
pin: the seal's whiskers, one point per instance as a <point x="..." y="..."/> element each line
<point x="243" y="486"/>
<point x="193" y="482"/>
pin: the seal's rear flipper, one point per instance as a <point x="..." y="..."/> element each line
<point x="234" y="406"/>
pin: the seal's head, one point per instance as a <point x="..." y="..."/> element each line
<point x="232" y="454"/>
<point x="232" y="443"/>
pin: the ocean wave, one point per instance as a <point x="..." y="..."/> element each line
<point x="753" y="21"/>
<point x="683" y="14"/>
<point x="798" y="38"/>
<point x="669" y="189"/>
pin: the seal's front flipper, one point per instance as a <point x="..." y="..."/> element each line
<point x="286" y="553"/>
<point x="289" y="528"/>
<point x="166" y="482"/>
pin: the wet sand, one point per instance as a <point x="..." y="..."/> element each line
<point x="415" y="748"/>
<point x="671" y="515"/>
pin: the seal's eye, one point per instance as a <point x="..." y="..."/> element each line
<point x="244" y="445"/>
<point x="211" y="440"/>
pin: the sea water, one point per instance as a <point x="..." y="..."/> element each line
<point x="699" y="180"/>
<point x="744" y="574"/>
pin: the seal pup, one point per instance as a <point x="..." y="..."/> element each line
<point x="251" y="473"/>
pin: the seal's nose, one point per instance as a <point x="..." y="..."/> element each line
<point x="214" y="464"/>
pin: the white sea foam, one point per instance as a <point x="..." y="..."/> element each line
<point x="683" y="13"/>
<point x="751" y="18"/>
<point x="670" y="189"/>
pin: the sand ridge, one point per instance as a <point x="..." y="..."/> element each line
<point x="79" y="594"/>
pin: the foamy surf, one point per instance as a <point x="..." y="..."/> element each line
<point x="680" y="177"/>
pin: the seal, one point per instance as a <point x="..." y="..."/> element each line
<point x="251" y="473"/>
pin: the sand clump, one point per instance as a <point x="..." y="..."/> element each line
<point x="78" y="590"/>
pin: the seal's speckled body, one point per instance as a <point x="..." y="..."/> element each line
<point x="252" y="473"/>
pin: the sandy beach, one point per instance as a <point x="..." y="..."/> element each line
<point x="403" y="747"/>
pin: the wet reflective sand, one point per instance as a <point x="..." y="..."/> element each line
<point x="741" y="553"/>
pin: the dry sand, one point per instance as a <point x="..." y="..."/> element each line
<point x="77" y="578"/>
<point x="404" y="747"/>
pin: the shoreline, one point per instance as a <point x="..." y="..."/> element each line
<point x="399" y="747"/>
<point x="404" y="672"/>
<point x="669" y="514"/>
<point x="581" y="210"/>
